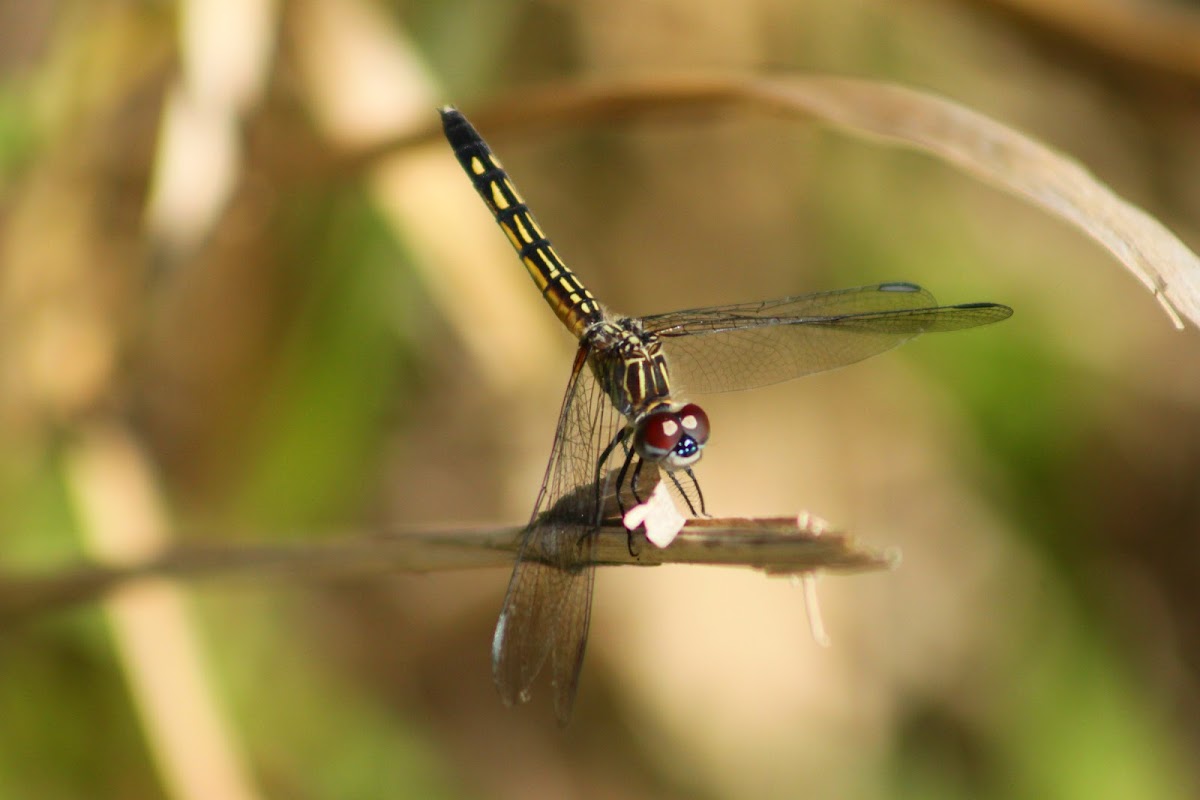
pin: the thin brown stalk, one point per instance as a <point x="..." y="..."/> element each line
<point x="974" y="143"/>
<point x="774" y="545"/>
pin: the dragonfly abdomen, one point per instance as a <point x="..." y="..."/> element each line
<point x="570" y="300"/>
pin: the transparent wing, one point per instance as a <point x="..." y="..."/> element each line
<point x="548" y="604"/>
<point x="741" y="346"/>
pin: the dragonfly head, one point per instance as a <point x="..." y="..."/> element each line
<point x="672" y="437"/>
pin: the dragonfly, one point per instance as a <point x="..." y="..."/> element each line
<point x="623" y="410"/>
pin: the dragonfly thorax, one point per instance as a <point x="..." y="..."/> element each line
<point x="629" y="365"/>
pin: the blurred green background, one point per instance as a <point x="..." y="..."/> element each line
<point x="299" y="349"/>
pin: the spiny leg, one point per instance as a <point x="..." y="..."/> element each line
<point x="699" y="493"/>
<point x="684" y="495"/>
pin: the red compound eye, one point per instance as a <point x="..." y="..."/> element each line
<point x="694" y="422"/>
<point x="658" y="434"/>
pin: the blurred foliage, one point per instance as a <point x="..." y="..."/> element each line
<point x="295" y="369"/>
<point x="337" y="371"/>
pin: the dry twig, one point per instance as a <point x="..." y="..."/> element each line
<point x="775" y="545"/>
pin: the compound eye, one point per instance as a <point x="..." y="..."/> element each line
<point x="658" y="435"/>
<point x="694" y="422"/>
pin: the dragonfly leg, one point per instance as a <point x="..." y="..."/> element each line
<point x="699" y="493"/>
<point x="619" y="439"/>
<point x="684" y="495"/>
<point x="633" y="481"/>
<point x="629" y="456"/>
<point x="633" y="551"/>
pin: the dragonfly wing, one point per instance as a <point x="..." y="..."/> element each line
<point x="547" y="609"/>
<point x="546" y="614"/>
<point x="566" y="656"/>
<point x="741" y="346"/>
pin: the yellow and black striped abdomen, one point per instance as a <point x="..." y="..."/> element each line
<point x="571" y="301"/>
